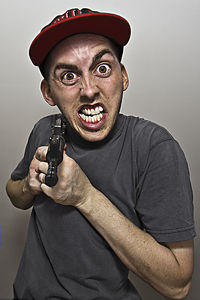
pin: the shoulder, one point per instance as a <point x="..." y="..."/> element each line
<point x="41" y="132"/>
<point x="39" y="136"/>
<point x="42" y="129"/>
<point x="149" y="140"/>
<point x="146" y="132"/>
<point x="45" y="122"/>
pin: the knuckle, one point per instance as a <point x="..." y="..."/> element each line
<point x="43" y="167"/>
<point x="38" y="152"/>
<point x="32" y="181"/>
<point x="32" y="184"/>
<point x="41" y="149"/>
<point x="41" y="153"/>
<point x="57" y="197"/>
<point x="34" y="164"/>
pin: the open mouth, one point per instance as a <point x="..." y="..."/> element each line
<point x="91" y="113"/>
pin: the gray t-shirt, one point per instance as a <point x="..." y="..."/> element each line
<point x="143" y="171"/>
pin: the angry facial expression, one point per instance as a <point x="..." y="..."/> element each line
<point x="86" y="82"/>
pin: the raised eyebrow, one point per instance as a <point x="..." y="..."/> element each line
<point x="99" y="55"/>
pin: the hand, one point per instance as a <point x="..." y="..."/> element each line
<point x="32" y="183"/>
<point x="73" y="186"/>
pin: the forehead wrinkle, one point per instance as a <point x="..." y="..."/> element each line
<point x="82" y="43"/>
<point x="72" y="67"/>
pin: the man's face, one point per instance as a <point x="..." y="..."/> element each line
<point x="86" y="82"/>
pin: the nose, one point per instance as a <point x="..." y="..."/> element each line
<point x="89" y="87"/>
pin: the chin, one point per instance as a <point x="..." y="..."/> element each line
<point x="94" y="136"/>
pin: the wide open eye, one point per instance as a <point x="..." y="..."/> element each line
<point x="69" y="77"/>
<point x="103" y="69"/>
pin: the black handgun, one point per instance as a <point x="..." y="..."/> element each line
<point x="55" y="151"/>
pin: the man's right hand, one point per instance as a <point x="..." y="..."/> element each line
<point x="22" y="192"/>
<point x="32" y="183"/>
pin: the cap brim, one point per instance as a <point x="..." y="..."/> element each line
<point x="108" y="25"/>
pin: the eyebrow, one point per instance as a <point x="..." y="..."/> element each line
<point x="63" y="66"/>
<point x="97" y="57"/>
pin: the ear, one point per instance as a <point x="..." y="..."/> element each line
<point x="125" y="79"/>
<point x="46" y="92"/>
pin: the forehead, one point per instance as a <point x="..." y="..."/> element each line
<point x="81" y="43"/>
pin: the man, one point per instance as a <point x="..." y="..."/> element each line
<point x="123" y="199"/>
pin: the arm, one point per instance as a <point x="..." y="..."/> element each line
<point x="22" y="192"/>
<point x="167" y="267"/>
<point x="19" y="193"/>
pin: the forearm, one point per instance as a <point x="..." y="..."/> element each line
<point x="150" y="260"/>
<point x="167" y="269"/>
<point x="19" y="193"/>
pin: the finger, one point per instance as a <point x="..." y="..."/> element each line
<point x="43" y="167"/>
<point x="42" y="177"/>
<point x="46" y="190"/>
<point x="41" y="153"/>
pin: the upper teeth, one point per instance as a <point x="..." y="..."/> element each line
<point x="92" y="115"/>
<point x="92" y="111"/>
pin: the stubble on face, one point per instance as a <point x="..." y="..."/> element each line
<point x="86" y="84"/>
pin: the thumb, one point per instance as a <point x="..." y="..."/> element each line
<point x="47" y="190"/>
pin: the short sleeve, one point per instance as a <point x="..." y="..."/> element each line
<point x="165" y="202"/>
<point x="22" y="168"/>
<point x="39" y="137"/>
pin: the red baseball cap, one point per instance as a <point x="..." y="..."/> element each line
<point x="76" y="21"/>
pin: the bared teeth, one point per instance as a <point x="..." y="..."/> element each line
<point x="92" y="115"/>
<point x="93" y="111"/>
<point x="92" y="119"/>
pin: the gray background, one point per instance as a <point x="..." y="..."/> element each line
<point x="162" y="60"/>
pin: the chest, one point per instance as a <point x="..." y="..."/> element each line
<point x="112" y="169"/>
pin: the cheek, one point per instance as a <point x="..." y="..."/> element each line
<point x="65" y="97"/>
<point x="114" y="89"/>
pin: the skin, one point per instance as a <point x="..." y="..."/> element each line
<point x="166" y="267"/>
<point x="89" y="86"/>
